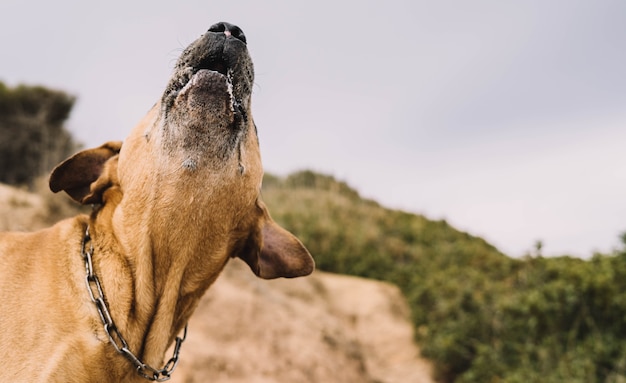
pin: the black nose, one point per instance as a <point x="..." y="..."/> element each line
<point x="229" y="29"/>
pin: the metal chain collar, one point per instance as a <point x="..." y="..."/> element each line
<point x="117" y="340"/>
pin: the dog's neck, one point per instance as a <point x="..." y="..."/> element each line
<point x="118" y="340"/>
<point x="163" y="238"/>
<point x="152" y="283"/>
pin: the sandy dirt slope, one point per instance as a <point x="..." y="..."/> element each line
<point x="19" y="210"/>
<point x="324" y="328"/>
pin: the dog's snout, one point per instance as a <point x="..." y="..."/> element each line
<point x="229" y="29"/>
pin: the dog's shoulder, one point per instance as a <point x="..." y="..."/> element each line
<point x="63" y="234"/>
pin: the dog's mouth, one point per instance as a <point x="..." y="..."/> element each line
<point x="213" y="77"/>
<point x="191" y="76"/>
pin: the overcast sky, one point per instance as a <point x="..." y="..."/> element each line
<point x="506" y="118"/>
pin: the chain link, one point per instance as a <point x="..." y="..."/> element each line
<point x="117" y="340"/>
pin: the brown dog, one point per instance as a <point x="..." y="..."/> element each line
<point x="101" y="298"/>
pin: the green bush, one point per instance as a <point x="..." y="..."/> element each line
<point x="32" y="136"/>
<point x="479" y="315"/>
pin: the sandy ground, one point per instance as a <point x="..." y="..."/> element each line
<point x="322" y="328"/>
<point x="19" y="210"/>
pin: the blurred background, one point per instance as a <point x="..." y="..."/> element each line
<point x="468" y="152"/>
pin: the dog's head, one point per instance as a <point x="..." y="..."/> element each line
<point x="191" y="170"/>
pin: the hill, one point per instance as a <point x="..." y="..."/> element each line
<point x="479" y="315"/>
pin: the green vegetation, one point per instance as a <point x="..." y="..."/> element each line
<point x="481" y="316"/>
<point x="32" y="137"/>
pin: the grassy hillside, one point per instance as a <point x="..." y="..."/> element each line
<point x="480" y="315"/>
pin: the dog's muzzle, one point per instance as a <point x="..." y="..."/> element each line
<point x="215" y="72"/>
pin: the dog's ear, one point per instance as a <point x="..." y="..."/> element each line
<point x="76" y="174"/>
<point x="273" y="252"/>
<point x="282" y="254"/>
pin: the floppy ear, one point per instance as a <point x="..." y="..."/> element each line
<point x="282" y="254"/>
<point x="76" y="174"/>
<point x="273" y="252"/>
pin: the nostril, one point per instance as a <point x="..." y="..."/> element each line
<point x="229" y="30"/>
